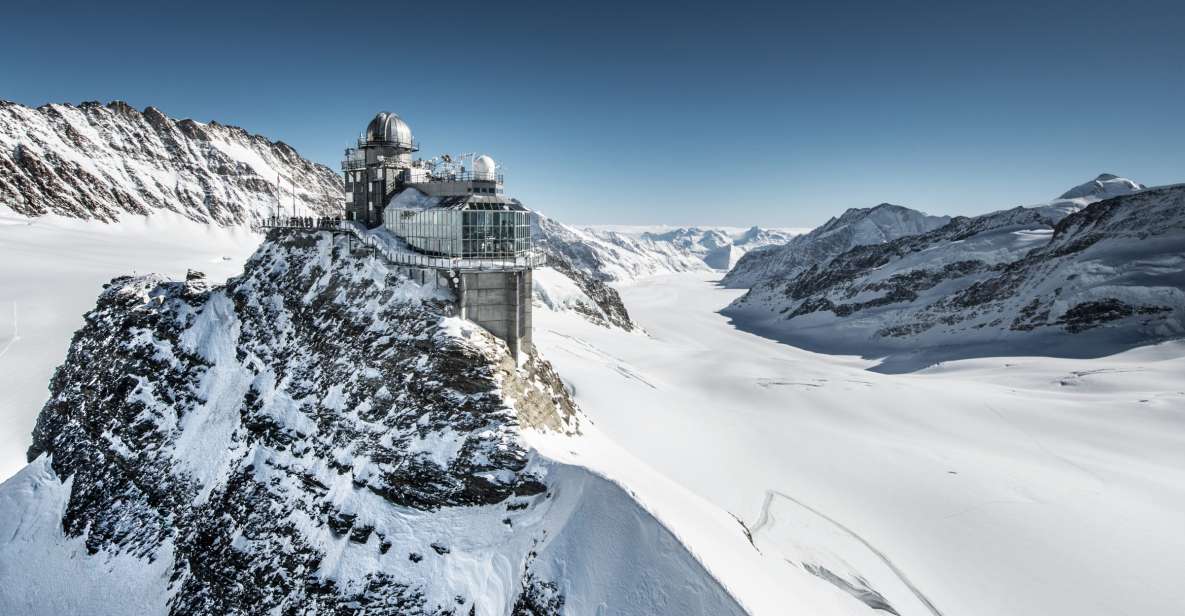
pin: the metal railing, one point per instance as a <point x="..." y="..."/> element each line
<point x="311" y="223"/>
<point x="355" y="164"/>
<point x="398" y="254"/>
<point x="460" y="176"/>
<point x="404" y="255"/>
<point x="411" y="146"/>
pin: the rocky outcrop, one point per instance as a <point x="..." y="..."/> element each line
<point x="318" y="436"/>
<point x="296" y="377"/>
<point x="591" y="297"/>
<point x="95" y="161"/>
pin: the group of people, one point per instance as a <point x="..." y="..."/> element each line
<point x="305" y="222"/>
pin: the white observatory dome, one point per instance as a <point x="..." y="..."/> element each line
<point x="484" y="168"/>
<point x="389" y="127"/>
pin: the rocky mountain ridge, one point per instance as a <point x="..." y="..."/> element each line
<point x="720" y="248"/>
<point x="95" y="161"/>
<point x="1061" y="278"/>
<point x="855" y="227"/>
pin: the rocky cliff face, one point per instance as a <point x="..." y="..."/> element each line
<point x="1038" y="280"/>
<point x="317" y="436"/>
<point x="99" y="161"/>
<point x="856" y="227"/>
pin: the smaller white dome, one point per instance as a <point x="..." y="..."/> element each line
<point x="484" y="168"/>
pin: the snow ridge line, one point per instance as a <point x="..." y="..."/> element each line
<point x="764" y="519"/>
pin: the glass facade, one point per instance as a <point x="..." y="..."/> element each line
<point x="485" y="233"/>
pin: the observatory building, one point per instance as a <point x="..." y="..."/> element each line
<point x="451" y="212"/>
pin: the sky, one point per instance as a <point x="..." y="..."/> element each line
<point x="721" y="113"/>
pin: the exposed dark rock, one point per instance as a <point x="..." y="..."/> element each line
<point x="98" y="162"/>
<point x="318" y="370"/>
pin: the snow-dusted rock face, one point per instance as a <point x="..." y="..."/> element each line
<point x="560" y="287"/>
<point x="614" y="256"/>
<point x="98" y="161"/>
<point x="720" y="248"/>
<point x="1027" y="280"/>
<point x="317" y="436"/>
<point x="581" y="263"/>
<point x="856" y="227"/>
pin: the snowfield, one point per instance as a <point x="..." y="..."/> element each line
<point x="1020" y="486"/>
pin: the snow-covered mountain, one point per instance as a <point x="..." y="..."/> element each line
<point x="1102" y="187"/>
<point x="856" y="227"/>
<point x="720" y="248"/>
<point x="1064" y="278"/>
<point x="93" y="191"/>
<point x="582" y="262"/>
<point x="319" y="435"/>
<point x="613" y="255"/>
<point x="95" y="161"/>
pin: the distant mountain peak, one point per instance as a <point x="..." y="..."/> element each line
<point x="1104" y="186"/>
<point x="855" y="227"/>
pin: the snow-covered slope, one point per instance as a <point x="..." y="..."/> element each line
<point x="317" y="436"/>
<point x="856" y="227"/>
<point x="98" y="161"/>
<point x="1019" y="486"/>
<point x="1025" y="280"/>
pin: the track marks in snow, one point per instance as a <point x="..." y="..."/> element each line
<point x="1077" y="377"/>
<point x="766" y="519"/>
<point x="1041" y="446"/>
<point x="768" y="383"/>
<point x="583" y="348"/>
<point x="809" y="385"/>
<point x="16" y="333"/>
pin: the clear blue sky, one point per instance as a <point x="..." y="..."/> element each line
<point x="731" y="113"/>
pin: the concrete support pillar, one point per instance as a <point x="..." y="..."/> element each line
<point x="501" y="303"/>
